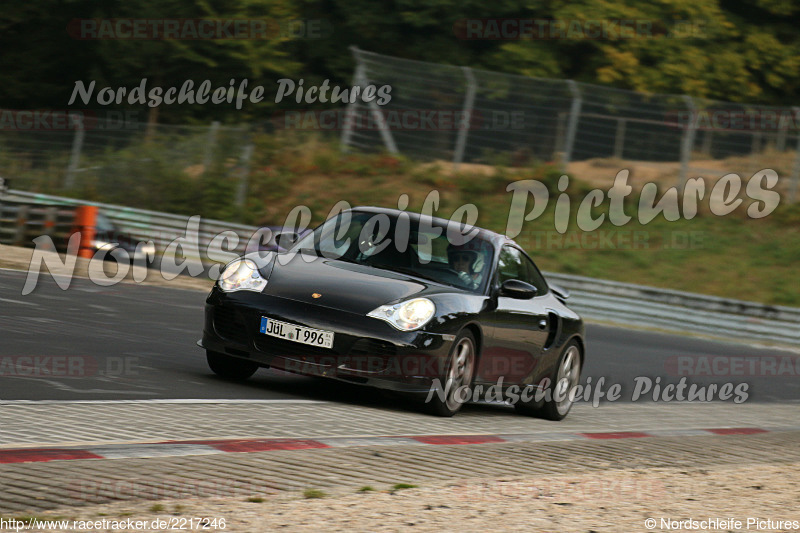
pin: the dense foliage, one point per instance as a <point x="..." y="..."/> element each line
<point x="740" y="50"/>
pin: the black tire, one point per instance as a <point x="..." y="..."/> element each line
<point x="565" y="376"/>
<point x="460" y="371"/>
<point x="229" y="367"/>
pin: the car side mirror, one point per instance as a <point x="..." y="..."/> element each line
<point x="518" y="289"/>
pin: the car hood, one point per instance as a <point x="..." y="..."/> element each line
<point x="341" y="285"/>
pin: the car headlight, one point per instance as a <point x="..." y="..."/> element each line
<point x="241" y="275"/>
<point x="148" y="249"/>
<point x="97" y="244"/>
<point x="406" y="316"/>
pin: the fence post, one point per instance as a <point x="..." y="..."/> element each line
<point x="469" y="102"/>
<point x="3" y="230"/>
<point x="559" y="140"/>
<point x="619" y="139"/>
<point x="795" y="176"/>
<point x="687" y="142"/>
<point x="755" y="143"/>
<point x="780" y="138"/>
<point x="350" y="113"/>
<point x="244" y="174"/>
<point x="706" y="149"/>
<point x="572" y="125"/>
<point x="383" y="128"/>
<point x="211" y="142"/>
<point x="49" y="222"/>
<point x="21" y="224"/>
<point x="75" y="156"/>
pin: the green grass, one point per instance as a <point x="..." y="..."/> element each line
<point x="731" y="256"/>
<point x="255" y="499"/>
<point x="366" y="489"/>
<point x="403" y="486"/>
<point x="311" y="494"/>
<point x="156" y="508"/>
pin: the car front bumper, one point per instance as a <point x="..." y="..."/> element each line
<point x="365" y="350"/>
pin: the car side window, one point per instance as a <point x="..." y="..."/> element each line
<point x="534" y="277"/>
<point x="103" y="223"/>
<point x="510" y="265"/>
<point x="513" y="264"/>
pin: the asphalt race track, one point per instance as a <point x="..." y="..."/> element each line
<point x="135" y="342"/>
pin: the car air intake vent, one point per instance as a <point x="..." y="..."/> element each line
<point x="283" y="348"/>
<point x="554" y="329"/>
<point x="373" y="347"/>
<point x="229" y="324"/>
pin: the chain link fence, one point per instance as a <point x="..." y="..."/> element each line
<point x="123" y="161"/>
<point x="437" y="112"/>
<point x="464" y="115"/>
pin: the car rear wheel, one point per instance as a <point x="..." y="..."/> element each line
<point x="460" y="371"/>
<point x="229" y="367"/>
<point x="557" y="403"/>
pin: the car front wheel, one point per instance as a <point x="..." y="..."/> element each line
<point x="557" y="402"/>
<point x="229" y="367"/>
<point x="460" y="371"/>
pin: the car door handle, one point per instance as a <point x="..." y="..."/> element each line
<point x="543" y="324"/>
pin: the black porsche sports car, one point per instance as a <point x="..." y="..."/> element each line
<point x="401" y="301"/>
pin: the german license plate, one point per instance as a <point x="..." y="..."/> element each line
<point x="295" y="333"/>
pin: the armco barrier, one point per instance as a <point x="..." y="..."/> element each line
<point x="626" y="303"/>
<point x="594" y="299"/>
<point x="21" y="222"/>
<point x="144" y="225"/>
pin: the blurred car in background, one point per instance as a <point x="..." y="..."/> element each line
<point x="109" y="236"/>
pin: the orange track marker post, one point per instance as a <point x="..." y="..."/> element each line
<point x="86" y="223"/>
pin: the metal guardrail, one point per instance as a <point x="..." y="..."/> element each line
<point x="609" y="301"/>
<point x="21" y="222"/>
<point x="640" y="305"/>
<point x="145" y="225"/>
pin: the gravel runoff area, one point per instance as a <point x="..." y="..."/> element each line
<point x="18" y="258"/>
<point x="617" y="500"/>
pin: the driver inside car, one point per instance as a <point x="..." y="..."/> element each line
<point x="464" y="261"/>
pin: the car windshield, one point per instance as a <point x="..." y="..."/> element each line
<point x="424" y="250"/>
<point x="103" y="223"/>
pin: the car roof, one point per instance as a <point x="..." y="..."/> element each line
<point x="489" y="235"/>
